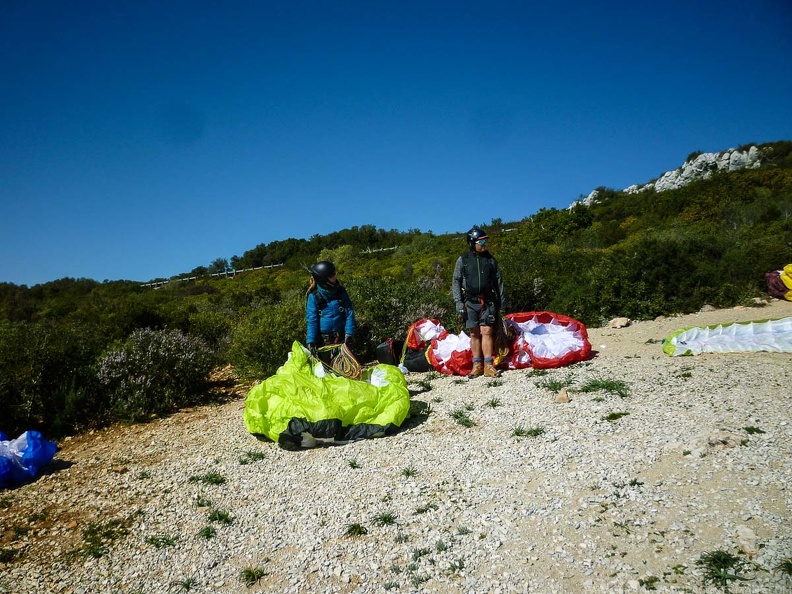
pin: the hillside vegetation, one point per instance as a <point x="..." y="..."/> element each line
<point x="76" y="353"/>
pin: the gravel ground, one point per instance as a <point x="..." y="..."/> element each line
<point x="604" y="493"/>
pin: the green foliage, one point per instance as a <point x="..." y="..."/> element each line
<point x="634" y="255"/>
<point x="386" y="308"/>
<point x="154" y="372"/>
<point x="261" y="339"/>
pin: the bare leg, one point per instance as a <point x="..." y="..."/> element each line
<point x="487" y="345"/>
<point x="475" y="342"/>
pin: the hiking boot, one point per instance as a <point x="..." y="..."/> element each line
<point x="478" y="370"/>
<point x="490" y="371"/>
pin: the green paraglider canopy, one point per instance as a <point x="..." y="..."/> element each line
<point x="303" y="406"/>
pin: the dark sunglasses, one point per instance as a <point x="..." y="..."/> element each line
<point x="482" y="242"/>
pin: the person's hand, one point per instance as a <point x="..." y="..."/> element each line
<point x="312" y="348"/>
<point x="347" y="338"/>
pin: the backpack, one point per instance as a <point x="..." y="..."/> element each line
<point x="479" y="285"/>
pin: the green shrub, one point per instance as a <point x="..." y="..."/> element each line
<point x="385" y="308"/>
<point x="46" y="377"/>
<point x="155" y="372"/>
<point x="262" y="339"/>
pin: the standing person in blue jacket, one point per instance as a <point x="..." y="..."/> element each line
<point x="477" y="287"/>
<point x="329" y="316"/>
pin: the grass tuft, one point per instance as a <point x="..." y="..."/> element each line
<point x="354" y="530"/>
<point x="252" y="575"/>
<point x="161" y="540"/>
<point x="617" y="387"/>
<point x="210" y="478"/>
<point x="721" y="568"/>
<point x="462" y="418"/>
<point x="384" y="519"/>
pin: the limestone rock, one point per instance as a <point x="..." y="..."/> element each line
<point x="619" y="323"/>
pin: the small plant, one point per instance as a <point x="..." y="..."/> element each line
<point x="521" y="431"/>
<point x="470" y="407"/>
<point x="251" y="575"/>
<point x="493" y="402"/>
<point x="614" y="416"/>
<point x="207" y="532"/>
<point x="649" y="583"/>
<point x="353" y="530"/>
<point x="536" y="372"/>
<point x="252" y="456"/>
<point x="554" y="385"/>
<point x="391" y="585"/>
<point x="721" y="568"/>
<point x="221" y="516"/>
<point x="458" y="381"/>
<point x="495" y="383"/>
<point x="409" y="472"/>
<point x="417" y="579"/>
<point x="185" y="584"/>
<point x="7" y="555"/>
<point x="353" y="463"/>
<point x="457" y="565"/>
<point x="785" y="566"/>
<point x="419" y="552"/>
<point x="463" y="530"/>
<point x="441" y="546"/>
<point x="400" y="538"/>
<point x="437" y="400"/>
<point x="752" y="430"/>
<point x="424" y="384"/>
<point x="160" y="541"/>
<point x="210" y="478"/>
<point x="98" y="536"/>
<point x="461" y="417"/>
<point x="686" y="452"/>
<point x="617" y="387"/>
<point x="143" y="475"/>
<point x="384" y="519"/>
<point x="422" y="509"/>
<point x="202" y="501"/>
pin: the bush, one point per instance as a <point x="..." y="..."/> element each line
<point x="155" y="372"/>
<point x="46" y="377"/>
<point x="262" y="339"/>
<point x="386" y="308"/>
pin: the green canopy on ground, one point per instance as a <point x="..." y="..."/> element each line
<point x="298" y="408"/>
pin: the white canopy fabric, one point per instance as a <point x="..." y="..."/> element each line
<point x="770" y="335"/>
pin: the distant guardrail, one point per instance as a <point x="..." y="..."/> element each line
<point x="231" y="272"/>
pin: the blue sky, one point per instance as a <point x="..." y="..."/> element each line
<point x="139" y="140"/>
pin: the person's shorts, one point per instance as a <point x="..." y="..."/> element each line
<point x="477" y="315"/>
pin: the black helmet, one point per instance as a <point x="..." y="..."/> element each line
<point x="474" y="235"/>
<point x="321" y="271"/>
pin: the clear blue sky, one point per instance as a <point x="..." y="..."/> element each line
<point x="143" y="139"/>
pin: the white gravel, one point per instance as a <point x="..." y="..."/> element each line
<point x="589" y="505"/>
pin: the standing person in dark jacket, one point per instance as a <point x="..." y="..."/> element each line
<point x="478" y="294"/>
<point x="329" y="316"/>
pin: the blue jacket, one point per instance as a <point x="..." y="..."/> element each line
<point x="336" y="313"/>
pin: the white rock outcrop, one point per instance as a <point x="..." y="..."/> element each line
<point x="702" y="167"/>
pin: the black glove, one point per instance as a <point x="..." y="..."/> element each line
<point x="312" y="348"/>
<point x="347" y="338"/>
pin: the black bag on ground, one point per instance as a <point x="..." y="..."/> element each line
<point x="389" y="352"/>
<point x="416" y="360"/>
